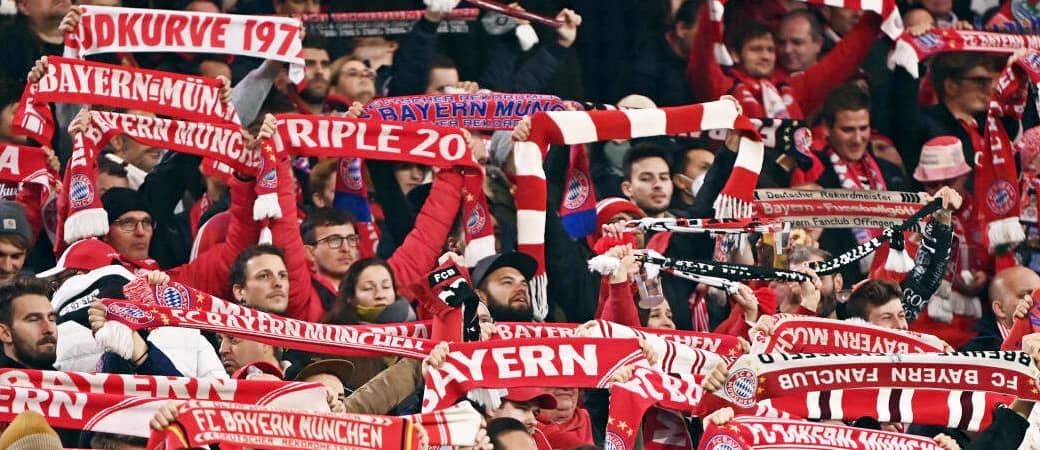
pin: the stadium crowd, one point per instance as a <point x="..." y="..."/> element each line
<point x="546" y="225"/>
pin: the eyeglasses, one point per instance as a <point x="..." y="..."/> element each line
<point x="336" y="240"/>
<point x="360" y="73"/>
<point x="981" y="81"/>
<point x="129" y="225"/>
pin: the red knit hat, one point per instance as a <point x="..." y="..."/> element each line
<point x="611" y="206"/>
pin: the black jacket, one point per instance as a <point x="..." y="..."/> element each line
<point x="501" y="74"/>
<point x="660" y="74"/>
<point x="1005" y="432"/>
<point x="837" y="241"/>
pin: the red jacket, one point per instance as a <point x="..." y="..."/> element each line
<point x="803" y="92"/>
<point x="410" y="263"/>
<point x="211" y="270"/>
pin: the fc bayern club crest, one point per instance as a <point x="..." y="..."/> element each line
<point x="477" y="220"/>
<point x="803" y="140"/>
<point x="929" y="42"/>
<point x="130" y="313"/>
<point x="81" y="192"/>
<point x="577" y="191"/>
<point x="1001" y="197"/>
<point x="269" y="180"/>
<point x="350" y="173"/>
<point x="174" y="296"/>
<point x="612" y="441"/>
<point x="722" y="442"/>
<point x="741" y="387"/>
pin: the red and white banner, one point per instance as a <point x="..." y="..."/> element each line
<point x="203" y="423"/>
<point x="910" y="50"/>
<point x="219" y="142"/>
<point x="342" y="137"/>
<point x="648" y="388"/>
<point x="499" y="364"/>
<point x="124" y="404"/>
<point x="756" y="377"/>
<point x="836" y="208"/>
<point x="802" y="334"/>
<point x="748" y="433"/>
<point x="18" y="162"/>
<point x="963" y="410"/>
<point x="104" y="29"/>
<point x="188" y="97"/>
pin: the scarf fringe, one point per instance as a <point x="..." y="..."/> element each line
<point x="265" y="236"/>
<point x="904" y="55"/>
<point x="540" y="296"/>
<point x="266" y="207"/>
<point x="86" y="223"/>
<point x="604" y="264"/>
<point x="727" y="207"/>
<point x="1006" y="231"/>
<point x="899" y="261"/>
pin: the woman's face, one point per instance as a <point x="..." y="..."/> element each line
<point x="661" y="317"/>
<point x="374" y="287"/>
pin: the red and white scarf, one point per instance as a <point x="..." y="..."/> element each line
<point x="722" y="344"/>
<point x="17" y="162"/>
<point x="582" y="127"/>
<point x="235" y="425"/>
<point x="963" y="410"/>
<point x="909" y="50"/>
<point x="176" y="304"/>
<point x="480" y="111"/>
<point x="104" y="29"/>
<point x="498" y="364"/>
<point x="223" y="143"/>
<point x="179" y="96"/>
<point x="123" y="404"/>
<point x="802" y="334"/>
<point x="648" y="388"/>
<point x="756" y="377"/>
<point x="672" y="357"/>
<point x="837" y="208"/>
<point x="415" y="143"/>
<point x="748" y="433"/>
<point x="996" y="176"/>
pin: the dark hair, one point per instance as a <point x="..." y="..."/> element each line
<point x="19" y="287"/>
<point x="687" y="12"/>
<point x="815" y="28"/>
<point x="238" y="268"/>
<point x="847" y="97"/>
<point x="871" y="294"/>
<point x="682" y="158"/>
<point x="17" y="240"/>
<point x="315" y="40"/>
<point x="744" y="31"/>
<point x="322" y="217"/>
<point x="350" y="279"/>
<point x="343" y="311"/>
<point x="109" y="167"/>
<point x="640" y="152"/>
<point x="954" y="65"/>
<point x="502" y="425"/>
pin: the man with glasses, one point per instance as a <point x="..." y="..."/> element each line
<point x="332" y="246"/>
<point x="963" y="83"/>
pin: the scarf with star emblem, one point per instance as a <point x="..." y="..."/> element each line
<point x="651" y="390"/>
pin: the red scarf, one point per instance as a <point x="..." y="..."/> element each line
<point x="762" y="97"/>
<point x="108" y="402"/>
<point x="429" y="145"/>
<point x="18" y="162"/>
<point x="234" y="425"/>
<point x="104" y="29"/>
<point x="756" y="377"/>
<point x="647" y="388"/>
<point x="722" y="344"/>
<point x="175" y="304"/>
<point x="996" y="178"/>
<point x="748" y="433"/>
<point x="480" y="111"/>
<point x="577" y="362"/>
<point x="179" y="96"/>
<point x="910" y="50"/>
<point x="963" y="410"/>
<point x="802" y="334"/>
